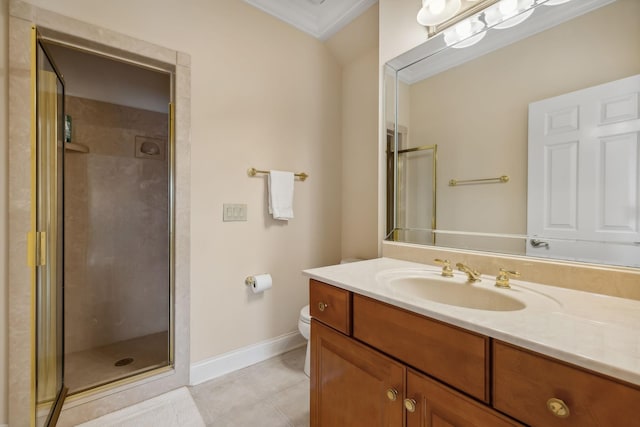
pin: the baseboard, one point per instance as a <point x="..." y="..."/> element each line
<point x="216" y="366"/>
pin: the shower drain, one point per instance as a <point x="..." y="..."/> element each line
<point x="124" y="362"/>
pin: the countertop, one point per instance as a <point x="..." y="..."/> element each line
<point x="597" y="332"/>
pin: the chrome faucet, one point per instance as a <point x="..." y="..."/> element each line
<point x="473" y="275"/>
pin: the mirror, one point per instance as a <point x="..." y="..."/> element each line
<point x="492" y="109"/>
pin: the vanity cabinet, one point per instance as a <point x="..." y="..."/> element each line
<point x="354" y="384"/>
<point x="374" y="364"/>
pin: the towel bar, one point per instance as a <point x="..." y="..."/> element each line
<point x="254" y="172"/>
<point x="500" y="179"/>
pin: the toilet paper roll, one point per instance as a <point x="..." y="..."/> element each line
<point x="261" y="282"/>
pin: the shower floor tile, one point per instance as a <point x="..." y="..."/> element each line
<point x="96" y="366"/>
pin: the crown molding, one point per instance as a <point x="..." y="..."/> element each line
<point x="319" y="20"/>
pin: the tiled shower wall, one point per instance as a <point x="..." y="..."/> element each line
<point x="116" y="226"/>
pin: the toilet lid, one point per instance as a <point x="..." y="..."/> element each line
<point x="304" y="314"/>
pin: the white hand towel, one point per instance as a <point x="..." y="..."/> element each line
<point x="281" y="195"/>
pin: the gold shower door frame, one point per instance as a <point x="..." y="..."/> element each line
<point x="46" y="238"/>
<point x="43" y="398"/>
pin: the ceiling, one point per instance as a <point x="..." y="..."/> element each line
<point x="319" y="18"/>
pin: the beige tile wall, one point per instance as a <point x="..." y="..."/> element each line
<point x="116" y="222"/>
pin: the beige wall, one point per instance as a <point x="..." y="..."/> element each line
<point x="4" y="135"/>
<point x="399" y="30"/>
<point x="263" y="95"/>
<point x="116" y="252"/>
<point x="359" y="157"/>
<point x="356" y="48"/>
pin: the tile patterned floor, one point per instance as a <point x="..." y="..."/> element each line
<point x="274" y="393"/>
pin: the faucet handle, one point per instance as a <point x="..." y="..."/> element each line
<point x="447" y="271"/>
<point x="502" y="280"/>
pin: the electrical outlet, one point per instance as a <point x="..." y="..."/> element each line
<point x="234" y="212"/>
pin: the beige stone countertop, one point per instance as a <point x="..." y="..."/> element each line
<point x="596" y="332"/>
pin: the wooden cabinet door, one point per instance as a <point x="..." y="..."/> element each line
<point x="353" y="385"/>
<point x="437" y="405"/>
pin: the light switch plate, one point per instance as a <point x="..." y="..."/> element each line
<point x="234" y="212"/>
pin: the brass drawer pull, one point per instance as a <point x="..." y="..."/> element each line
<point x="558" y="408"/>
<point x="392" y="394"/>
<point x="322" y="306"/>
<point x="410" y="405"/>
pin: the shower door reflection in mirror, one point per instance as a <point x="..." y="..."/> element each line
<point x="415" y="189"/>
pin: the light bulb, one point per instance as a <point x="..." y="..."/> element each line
<point x="437" y="6"/>
<point x="465" y="33"/>
<point x="464" y="29"/>
<point x="508" y="7"/>
<point x="435" y="12"/>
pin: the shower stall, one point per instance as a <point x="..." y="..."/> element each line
<point x="105" y="196"/>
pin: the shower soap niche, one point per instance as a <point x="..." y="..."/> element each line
<point x="150" y="148"/>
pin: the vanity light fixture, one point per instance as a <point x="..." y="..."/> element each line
<point x="470" y="25"/>
<point x="434" y="12"/>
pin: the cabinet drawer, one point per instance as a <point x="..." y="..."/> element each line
<point x="330" y="305"/>
<point x="523" y="382"/>
<point x="452" y="355"/>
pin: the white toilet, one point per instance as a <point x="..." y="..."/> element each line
<point x="304" y="325"/>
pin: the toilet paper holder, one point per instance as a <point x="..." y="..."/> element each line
<point x="259" y="282"/>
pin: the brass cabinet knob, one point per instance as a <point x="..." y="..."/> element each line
<point x="392" y="394"/>
<point x="322" y="306"/>
<point x="410" y="405"/>
<point x="558" y="408"/>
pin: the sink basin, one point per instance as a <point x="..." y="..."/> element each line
<point x="461" y="295"/>
<point x="454" y="291"/>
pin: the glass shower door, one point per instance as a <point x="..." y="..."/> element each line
<point x="49" y="263"/>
